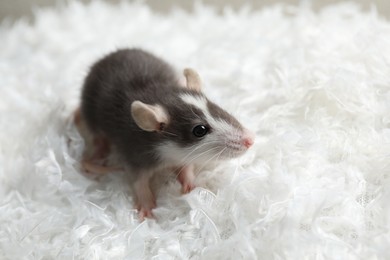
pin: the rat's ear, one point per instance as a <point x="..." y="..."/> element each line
<point x="148" y="117"/>
<point x="193" y="79"/>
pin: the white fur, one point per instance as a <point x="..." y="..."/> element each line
<point x="223" y="128"/>
<point x="314" y="86"/>
<point x="196" y="101"/>
<point x="203" y="152"/>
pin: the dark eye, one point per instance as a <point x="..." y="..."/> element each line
<point x="200" y="130"/>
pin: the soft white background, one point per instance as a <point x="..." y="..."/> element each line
<point x="13" y="9"/>
<point x="315" y="87"/>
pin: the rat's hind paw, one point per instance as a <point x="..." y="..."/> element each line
<point x="90" y="167"/>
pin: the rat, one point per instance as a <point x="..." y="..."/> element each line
<point x="134" y="101"/>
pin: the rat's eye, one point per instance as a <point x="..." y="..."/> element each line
<point x="200" y="130"/>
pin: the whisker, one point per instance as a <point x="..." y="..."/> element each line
<point x="192" y="151"/>
<point x="221" y="152"/>
<point x="178" y="169"/>
<point x="216" y="155"/>
<point x="193" y="159"/>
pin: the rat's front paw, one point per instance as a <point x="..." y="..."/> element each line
<point x="187" y="187"/>
<point x="186" y="178"/>
<point x="145" y="209"/>
<point x="145" y="213"/>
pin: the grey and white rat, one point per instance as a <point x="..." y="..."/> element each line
<point x="133" y="101"/>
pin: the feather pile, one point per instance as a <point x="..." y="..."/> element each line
<point x="313" y="86"/>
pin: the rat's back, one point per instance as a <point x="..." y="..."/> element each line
<point x="118" y="79"/>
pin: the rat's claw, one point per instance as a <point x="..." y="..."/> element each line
<point x="145" y="210"/>
<point x="186" y="178"/>
<point x="145" y="213"/>
<point x="90" y="167"/>
<point x="187" y="187"/>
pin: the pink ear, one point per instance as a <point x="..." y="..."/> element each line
<point x="193" y="79"/>
<point x="148" y="117"/>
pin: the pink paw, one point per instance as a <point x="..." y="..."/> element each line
<point x="145" y="213"/>
<point x="187" y="187"/>
<point x="186" y="178"/>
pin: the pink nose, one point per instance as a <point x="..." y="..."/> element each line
<point x="248" y="142"/>
<point x="248" y="139"/>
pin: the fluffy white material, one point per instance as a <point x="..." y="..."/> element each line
<point x="315" y="87"/>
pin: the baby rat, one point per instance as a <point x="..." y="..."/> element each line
<point x="133" y="101"/>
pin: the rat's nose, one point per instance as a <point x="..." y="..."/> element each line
<point x="248" y="142"/>
<point x="248" y="138"/>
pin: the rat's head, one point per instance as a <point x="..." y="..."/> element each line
<point x="192" y="128"/>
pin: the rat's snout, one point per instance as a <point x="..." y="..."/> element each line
<point x="248" y="138"/>
<point x="239" y="143"/>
